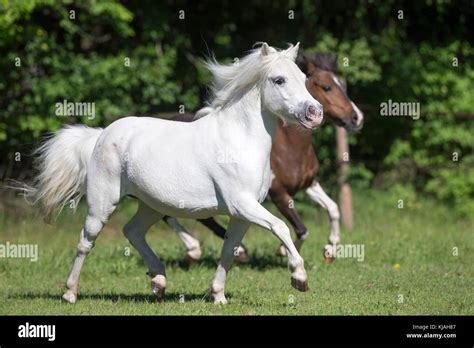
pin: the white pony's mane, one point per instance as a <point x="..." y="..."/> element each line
<point x="231" y="81"/>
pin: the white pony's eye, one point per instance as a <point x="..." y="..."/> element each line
<point x="279" y="80"/>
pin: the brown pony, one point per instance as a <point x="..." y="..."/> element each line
<point x="293" y="159"/>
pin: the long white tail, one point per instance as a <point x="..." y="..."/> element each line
<point x="62" y="168"/>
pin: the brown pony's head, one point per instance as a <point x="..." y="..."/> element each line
<point x="324" y="85"/>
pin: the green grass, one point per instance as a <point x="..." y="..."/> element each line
<point x="419" y="238"/>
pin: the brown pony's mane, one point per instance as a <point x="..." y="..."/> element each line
<point x="322" y="60"/>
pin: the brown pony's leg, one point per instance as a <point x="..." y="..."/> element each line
<point x="214" y="226"/>
<point x="317" y="195"/>
<point x="192" y="245"/>
<point x="284" y="203"/>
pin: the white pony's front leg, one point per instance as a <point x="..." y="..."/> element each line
<point x="235" y="233"/>
<point x="254" y="212"/>
<point x="192" y="245"/>
<point x="317" y="195"/>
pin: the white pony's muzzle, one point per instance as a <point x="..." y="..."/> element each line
<point x="312" y="116"/>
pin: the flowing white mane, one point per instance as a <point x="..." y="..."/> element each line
<point x="231" y="81"/>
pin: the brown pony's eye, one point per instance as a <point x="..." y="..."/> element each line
<point x="326" y="88"/>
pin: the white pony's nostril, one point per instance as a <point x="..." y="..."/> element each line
<point x="313" y="112"/>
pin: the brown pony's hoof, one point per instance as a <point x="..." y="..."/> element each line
<point x="299" y="284"/>
<point x="329" y="254"/>
<point x="328" y="259"/>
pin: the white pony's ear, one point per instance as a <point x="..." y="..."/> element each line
<point x="293" y="51"/>
<point x="265" y="50"/>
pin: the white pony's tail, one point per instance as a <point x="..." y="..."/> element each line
<point x="62" y="168"/>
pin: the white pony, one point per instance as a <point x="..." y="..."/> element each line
<point x="176" y="168"/>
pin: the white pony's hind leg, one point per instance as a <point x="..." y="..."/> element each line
<point x="317" y="195"/>
<point x="192" y="245"/>
<point x="92" y="227"/>
<point x="135" y="231"/>
<point x="101" y="202"/>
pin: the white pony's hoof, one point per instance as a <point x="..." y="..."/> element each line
<point x="300" y="285"/>
<point x="281" y="251"/>
<point x="158" y="286"/>
<point x="299" y="280"/>
<point x="242" y="256"/>
<point x="70" y="297"/>
<point x="219" y="299"/>
<point x="194" y="254"/>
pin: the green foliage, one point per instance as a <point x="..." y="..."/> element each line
<point x="440" y="144"/>
<point x="92" y="57"/>
<point x="455" y="187"/>
<point x="360" y="176"/>
<point x="355" y="58"/>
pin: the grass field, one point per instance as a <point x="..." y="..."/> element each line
<point x="408" y="266"/>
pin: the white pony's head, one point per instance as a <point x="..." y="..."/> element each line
<point x="283" y="90"/>
<point x="281" y="83"/>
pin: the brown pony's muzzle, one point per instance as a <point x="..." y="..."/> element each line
<point x="356" y="120"/>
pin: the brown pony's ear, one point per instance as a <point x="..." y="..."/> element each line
<point x="310" y="68"/>
<point x="333" y="61"/>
